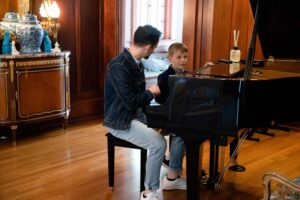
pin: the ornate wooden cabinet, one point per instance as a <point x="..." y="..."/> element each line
<point x="33" y="87"/>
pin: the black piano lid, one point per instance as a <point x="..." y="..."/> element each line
<point x="279" y="28"/>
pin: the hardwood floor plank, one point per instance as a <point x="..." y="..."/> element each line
<point x="54" y="164"/>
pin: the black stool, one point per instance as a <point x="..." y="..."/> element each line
<point x="113" y="141"/>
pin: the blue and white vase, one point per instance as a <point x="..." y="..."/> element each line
<point x="29" y="34"/>
<point x="10" y="21"/>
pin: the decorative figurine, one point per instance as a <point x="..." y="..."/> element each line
<point x="56" y="48"/>
<point x="6" y="46"/>
<point x="47" y="46"/>
<point x="14" y="50"/>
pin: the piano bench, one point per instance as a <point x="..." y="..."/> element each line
<point x="112" y="142"/>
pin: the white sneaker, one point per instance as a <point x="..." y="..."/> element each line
<point x="151" y="196"/>
<point x="178" y="184"/>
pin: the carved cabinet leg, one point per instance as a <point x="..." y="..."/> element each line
<point x="14" y="133"/>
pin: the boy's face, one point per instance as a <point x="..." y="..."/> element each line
<point x="178" y="59"/>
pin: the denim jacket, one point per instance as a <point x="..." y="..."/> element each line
<point x="124" y="91"/>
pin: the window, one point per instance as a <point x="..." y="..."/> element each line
<point x="152" y="12"/>
<point x="165" y="15"/>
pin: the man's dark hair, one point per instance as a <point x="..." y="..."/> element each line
<point x="145" y="35"/>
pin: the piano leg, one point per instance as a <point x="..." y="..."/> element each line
<point x="213" y="163"/>
<point x="192" y="166"/>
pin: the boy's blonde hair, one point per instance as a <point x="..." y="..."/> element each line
<point x="177" y="47"/>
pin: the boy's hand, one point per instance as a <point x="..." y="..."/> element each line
<point x="154" y="89"/>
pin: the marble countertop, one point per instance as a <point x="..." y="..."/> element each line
<point x="32" y="55"/>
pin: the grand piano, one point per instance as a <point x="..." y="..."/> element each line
<point x="220" y="100"/>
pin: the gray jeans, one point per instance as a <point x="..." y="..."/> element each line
<point x="140" y="135"/>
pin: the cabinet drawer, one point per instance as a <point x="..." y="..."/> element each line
<point x="40" y="92"/>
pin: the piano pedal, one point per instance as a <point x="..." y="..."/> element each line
<point x="204" y="179"/>
<point x="204" y="183"/>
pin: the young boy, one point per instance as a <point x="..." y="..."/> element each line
<point x="177" y="55"/>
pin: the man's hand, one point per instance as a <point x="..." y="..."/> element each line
<point x="154" y="89"/>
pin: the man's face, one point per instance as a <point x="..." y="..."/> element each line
<point x="149" y="49"/>
<point x="179" y="59"/>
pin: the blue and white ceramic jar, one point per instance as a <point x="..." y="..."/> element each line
<point x="10" y="21"/>
<point x="29" y="34"/>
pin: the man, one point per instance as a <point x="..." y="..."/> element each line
<point x="125" y="101"/>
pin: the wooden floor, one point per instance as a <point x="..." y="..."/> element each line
<point x="73" y="165"/>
